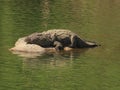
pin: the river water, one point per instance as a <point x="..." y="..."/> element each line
<point x="85" y="69"/>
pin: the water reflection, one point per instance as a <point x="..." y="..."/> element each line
<point x="50" y="58"/>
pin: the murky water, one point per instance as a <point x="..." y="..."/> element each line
<point x="86" y="69"/>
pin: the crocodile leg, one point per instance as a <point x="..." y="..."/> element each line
<point x="58" y="46"/>
<point x="73" y="41"/>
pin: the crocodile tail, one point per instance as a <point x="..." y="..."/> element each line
<point x="91" y="44"/>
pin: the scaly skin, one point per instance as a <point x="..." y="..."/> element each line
<point x="58" y="39"/>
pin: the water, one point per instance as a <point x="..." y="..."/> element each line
<point x="86" y="69"/>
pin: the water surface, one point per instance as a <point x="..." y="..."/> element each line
<point x="86" y="69"/>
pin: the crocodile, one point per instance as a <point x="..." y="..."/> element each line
<point x="59" y="39"/>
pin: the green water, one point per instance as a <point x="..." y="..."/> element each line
<point x="92" y="69"/>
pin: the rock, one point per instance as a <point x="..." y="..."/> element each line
<point x="22" y="46"/>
